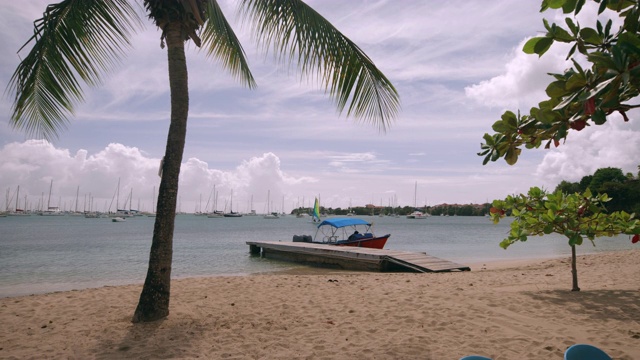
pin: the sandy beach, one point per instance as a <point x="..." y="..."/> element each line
<point x="513" y="311"/>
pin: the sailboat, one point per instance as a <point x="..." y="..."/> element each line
<point x="416" y="214"/>
<point x="350" y="213"/>
<point x="51" y="210"/>
<point x="270" y="215"/>
<point x="215" y="214"/>
<point x="124" y="212"/>
<point x="75" y="212"/>
<point x="316" y="212"/>
<point x="18" y="211"/>
<point x="231" y="213"/>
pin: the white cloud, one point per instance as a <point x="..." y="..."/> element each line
<point x="33" y="164"/>
<point x="614" y="144"/>
<point x="523" y="83"/>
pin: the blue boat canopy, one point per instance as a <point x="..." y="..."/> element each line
<point x="344" y="222"/>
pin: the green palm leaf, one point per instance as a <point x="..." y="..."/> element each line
<point x="74" y="39"/>
<point x="220" y="42"/>
<point x="296" y="31"/>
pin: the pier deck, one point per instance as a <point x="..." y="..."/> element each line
<point x="353" y="258"/>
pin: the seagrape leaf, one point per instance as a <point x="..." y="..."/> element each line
<point x="500" y="126"/>
<point x="511" y="157"/>
<point x="510" y="120"/>
<point x="576" y="81"/>
<point x="566" y="102"/>
<point x="556" y="89"/>
<point x="590" y="36"/>
<point x="537" y="45"/>
<point x="599" y="117"/>
<point x="554" y="4"/>
<point x="572" y="26"/>
<point x="560" y="34"/>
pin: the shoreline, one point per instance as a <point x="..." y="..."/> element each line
<point x="20" y="290"/>
<point x="502" y="311"/>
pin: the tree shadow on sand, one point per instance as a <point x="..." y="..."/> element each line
<point x="598" y="304"/>
<point x="163" y="339"/>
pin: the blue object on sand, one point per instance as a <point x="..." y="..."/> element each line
<point x="474" y="357"/>
<point x="585" y="352"/>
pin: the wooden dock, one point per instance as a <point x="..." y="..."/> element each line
<point x="353" y="258"/>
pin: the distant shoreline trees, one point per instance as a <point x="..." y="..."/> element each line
<point x="623" y="189"/>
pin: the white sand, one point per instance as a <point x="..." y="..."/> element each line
<point x="522" y="311"/>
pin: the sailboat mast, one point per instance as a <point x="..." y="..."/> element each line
<point x="118" y="195"/>
<point x="77" y="193"/>
<point x="49" y="200"/>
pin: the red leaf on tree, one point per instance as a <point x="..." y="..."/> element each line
<point x="578" y="124"/>
<point x="590" y="106"/>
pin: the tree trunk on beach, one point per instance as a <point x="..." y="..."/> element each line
<point x="154" y="299"/>
<point x="574" y="269"/>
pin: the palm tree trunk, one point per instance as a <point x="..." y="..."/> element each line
<point x="574" y="269"/>
<point x="154" y="299"/>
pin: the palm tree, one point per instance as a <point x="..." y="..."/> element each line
<point x="83" y="39"/>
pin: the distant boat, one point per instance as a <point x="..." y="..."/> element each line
<point x="416" y="214"/>
<point x="231" y="213"/>
<point x="51" y="210"/>
<point x="316" y="212"/>
<point x="18" y="211"/>
<point x="270" y="215"/>
<point x="118" y="219"/>
<point x="215" y="214"/>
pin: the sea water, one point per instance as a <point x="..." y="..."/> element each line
<point x="41" y="254"/>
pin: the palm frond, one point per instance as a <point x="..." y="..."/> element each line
<point x="75" y="39"/>
<point x="221" y="42"/>
<point x="296" y="31"/>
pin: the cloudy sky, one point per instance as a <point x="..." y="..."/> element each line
<point x="456" y="64"/>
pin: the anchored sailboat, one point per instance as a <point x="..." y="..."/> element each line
<point x="269" y="214"/>
<point x="231" y="213"/>
<point x="416" y="214"/>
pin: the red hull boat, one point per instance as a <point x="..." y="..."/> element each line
<point x="346" y="232"/>
<point x="374" y="243"/>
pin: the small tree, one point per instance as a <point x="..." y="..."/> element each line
<point x="575" y="216"/>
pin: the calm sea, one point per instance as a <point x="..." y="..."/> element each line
<point x="41" y="254"/>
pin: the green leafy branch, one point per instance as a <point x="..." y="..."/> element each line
<point x="576" y="216"/>
<point x="580" y="96"/>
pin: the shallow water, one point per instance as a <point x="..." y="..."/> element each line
<point x="41" y="254"/>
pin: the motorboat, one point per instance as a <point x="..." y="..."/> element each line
<point x="417" y="215"/>
<point x="345" y="232"/>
